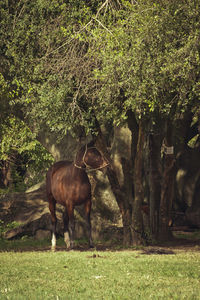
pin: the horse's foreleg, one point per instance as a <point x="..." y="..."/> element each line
<point x="71" y="226"/>
<point x="52" y="208"/>
<point x="88" y="205"/>
<point x="66" y="228"/>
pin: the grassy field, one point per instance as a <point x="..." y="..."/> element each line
<point x="125" y="274"/>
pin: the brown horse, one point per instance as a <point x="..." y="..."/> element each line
<point x="67" y="183"/>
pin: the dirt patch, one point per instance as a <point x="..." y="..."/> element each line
<point x="167" y="248"/>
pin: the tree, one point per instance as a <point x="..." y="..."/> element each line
<point x="152" y="56"/>
<point x="115" y="63"/>
<point x="19" y="150"/>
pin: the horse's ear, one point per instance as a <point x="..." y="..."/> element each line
<point x="91" y="144"/>
<point x="95" y="138"/>
<point x="100" y="144"/>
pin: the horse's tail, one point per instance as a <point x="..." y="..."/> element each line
<point x="48" y="182"/>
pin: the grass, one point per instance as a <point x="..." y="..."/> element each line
<point x="26" y="244"/>
<point x="194" y="235"/>
<point x="127" y="274"/>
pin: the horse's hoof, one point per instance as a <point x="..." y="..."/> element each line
<point x="68" y="245"/>
<point x="67" y="239"/>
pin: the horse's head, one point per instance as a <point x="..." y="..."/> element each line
<point x="94" y="159"/>
<point x="90" y="157"/>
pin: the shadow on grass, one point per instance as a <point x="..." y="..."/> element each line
<point x="179" y="242"/>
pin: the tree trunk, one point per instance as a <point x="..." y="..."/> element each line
<point x="6" y="174"/>
<point x="155" y="175"/>
<point x="124" y="206"/>
<point x="137" y="220"/>
<point x="121" y="190"/>
<point x="167" y="188"/>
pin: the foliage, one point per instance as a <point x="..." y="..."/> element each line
<point x="102" y="60"/>
<point x="11" y="142"/>
<point x="37" y="30"/>
<point x="6" y="227"/>
<point x="152" y="55"/>
<point x="20" y="148"/>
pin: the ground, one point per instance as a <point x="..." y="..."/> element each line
<point x="183" y="240"/>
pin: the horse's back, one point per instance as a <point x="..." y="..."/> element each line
<point x="52" y="170"/>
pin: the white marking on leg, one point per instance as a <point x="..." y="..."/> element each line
<point x="67" y="239"/>
<point x="53" y="242"/>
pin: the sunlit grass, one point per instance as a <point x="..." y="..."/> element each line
<point x="99" y="275"/>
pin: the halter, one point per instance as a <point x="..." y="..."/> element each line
<point x="88" y="166"/>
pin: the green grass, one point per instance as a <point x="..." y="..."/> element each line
<point x="27" y="244"/>
<point x="195" y="235"/>
<point x="99" y="275"/>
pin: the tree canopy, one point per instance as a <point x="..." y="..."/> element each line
<point x="70" y="59"/>
<point x="76" y="66"/>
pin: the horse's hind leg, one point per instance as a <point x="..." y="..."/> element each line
<point x="70" y="211"/>
<point x="52" y="208"/>
<point x="88" y="205"/>
<point x="66" y="228"/>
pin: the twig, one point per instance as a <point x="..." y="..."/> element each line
<point x="68" y="41"/>
<point x="83" y="28"/>
<point x="102" y="6"/>
<point x="102" y="25"/>
<point x="74" y="104"/>
<point x="17" y="17"/>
